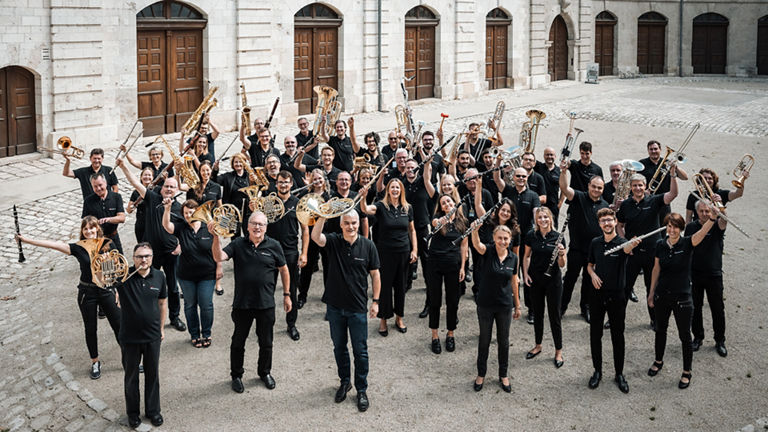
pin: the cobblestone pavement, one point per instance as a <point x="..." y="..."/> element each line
<point x="39" y="389"/>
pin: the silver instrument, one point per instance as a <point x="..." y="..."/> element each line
<point x="556" y="252"/>
<point x="629" y="242"/>
<point x="482" y="220"/>
<point x="722" y="215"/>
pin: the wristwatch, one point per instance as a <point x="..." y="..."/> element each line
<point x="286" y="294"/>
<point x="375" y="300"/>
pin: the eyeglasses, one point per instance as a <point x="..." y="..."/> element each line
<point x="143" y="257"/>
<point x="520" y="176"/>
<point x="392" y="138"/>
<point x="605" y="221"/>
<point x="284" y="183"/>
<point x="257" y="224"/>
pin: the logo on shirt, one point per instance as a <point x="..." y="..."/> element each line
<point x="154" y="288"/>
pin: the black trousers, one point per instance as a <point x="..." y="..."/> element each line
<point x="713" y="287"/>
<point x="641" y="259"/>
<point x="615" y="307"/>
<point x="305" y="277"/>
<point x="89" y="299"/>
<point x="502" y="316"/>
<point x="293" y="270"/>
<point x="551" y="290"/>
<point x="265" y="323"/>
<point x="682" y="306"/>
<point x="168" y="263"/>
<point x="394" y="271"/>
<point x="526" y="288"/>
<point x="477" y="266"/>
<point x="442" y="271"/>
<point x="421" y="233"/>
<point x="577" y="263"/>
<point x="132" y="358"/>
<point x="139" y="231"/>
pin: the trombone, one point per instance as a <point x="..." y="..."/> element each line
<point x="66" y="148"/>
<point x="666" y="163"/>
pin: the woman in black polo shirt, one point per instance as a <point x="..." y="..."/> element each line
<point x="201" y="153"/>
<point x="197" y="272"/>
<point x="671" y="290"/>
<point x="147" y="174"/>
<point x="540" y="245"/>
<point x="397" y="249"/>
<point x="89" y="295"/>
<point x="496" y="296"/>
<point x="446" y="265"/>
<point x="320" y="186"/>
<point x="207" y="190"/>
<point x="505" y="214"/>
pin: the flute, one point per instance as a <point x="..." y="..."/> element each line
<point x="18" y="241"/>
<point x="629" y="242"/>
<point x="556" y="252"/>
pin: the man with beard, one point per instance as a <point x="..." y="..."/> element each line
<point x="344" y="148"/>
<point x="304" y="138"/>
<point x="372" y="150"/>
<point x="427" y="149"/>
<point x="551" y="174"/>
<point x="651" y="164"/>
<point x="83" y="175"/>
<point x="258" y="151"/>
<point x="326" y="164"/>
<point x="535" y="180"/>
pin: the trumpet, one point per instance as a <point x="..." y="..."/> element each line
<point x="742" y="170"/>
<point x="702" y="187"/>
<point x="227" y="217"/>
<point x="245" y="114"/>
<point x="66" y="148"/>
<point x="666" y="163"/>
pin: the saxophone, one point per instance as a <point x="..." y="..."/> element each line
<point x="246" y="111"/>
<point x="205" y="106"/>
<point x="185" y="165"/>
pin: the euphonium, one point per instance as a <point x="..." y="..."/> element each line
<point x="328" y="109"/>
<point x="107" y="266"/>
<point x="742" y="170"/>
<point x="623" y="184"/>
<point x="530" y="129"/>
<point x="705" y="191"/>
<point x="404" y="125"/>
<point x="667" y="161"/>
<point x="246" y="111"/>
<point x="185" y="165"/>
<point x="227" y="217"/>
<point x="205" y="106"/>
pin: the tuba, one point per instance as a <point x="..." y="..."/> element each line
<point x="185" y="165"/>
<point x="742" y="170"/>
<point x="623" y="187"/>
<point x="328" y="108"/>
<point x="107" y="267"/>
<point x="530" y="129"/>
<point x="671" y="157"/>
<point x="205" y="106"/>
<point x="245" y="114"/>
<point x="227" y="217"/>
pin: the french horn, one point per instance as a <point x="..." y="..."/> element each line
<point x="107" y="267"/>
<point x="227" y="217"/>
<point x="271" y="205"/>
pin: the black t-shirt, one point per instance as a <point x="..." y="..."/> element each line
<point x="580" y="174"/>
<point x="99" y="208"/>
<point x="211" y="192"/>
<point x="416" y="195"/>
<point x="479" y="146"/>
<point x="609" y="190"/>
<point x="641" y="218"/>
<point x="303" y="141"/>
<point x="496" y="289"/>
<point x="541" y="254"/>
<point x="583" y="224"/>
<point x="231" y="183"/>
<point x="155" y="170"/>
<point x="524" y="202"/>
<point x="438" y="167"/>
<point x="690" y="204"/>
<point x="551" y="182"/>
<point x="83" y="175"/>
<point x="348" y="267"/>
<point x="259" y="155"/>
<point x="469" y="207"/>
<point x="536" y="183"/>
<point x="345" y="155"/>
<point x="389" y="152"/>
<point x="140" y="210"/>
<point x="441" y="247"/>
<point x="334" y="225"/>
<point x="675" y="265"/>
<point x="610" y="268"/>
<point x="393" y="223"/>
<point x="256" y="270"/>
<point x="286" y="230"/>
<point x="298" y="176"/>
<point x="649" y="169"/>
<point x="196" y="260"/>
<point x="708" y="255"/>
<point x="162" y="242"/>
<point x="140" y="311"/>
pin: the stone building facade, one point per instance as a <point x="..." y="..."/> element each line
<point x="89" y="69"/>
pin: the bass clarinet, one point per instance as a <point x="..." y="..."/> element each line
<point x="479" y="224"/>
<point x="556" y="251"/>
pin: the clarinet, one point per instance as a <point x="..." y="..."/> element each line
<point x="436" y="151"/>
<point x="629" y="242"/>
<point x="556" y="252"/>
<point x="18" y="241"/>
<point x="440" y="226"/>
<point x="482" y="221"/>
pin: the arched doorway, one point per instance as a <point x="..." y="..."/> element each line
<point x="169" y="53"/>
<point x="651" y="43"/>
<point x="605" y="24"/>
<point x="709" y="47"/>
<point x="315" y="53"/>
<point x="420" y="24"/>
<point x="496" y="36"/>
<point x="762" y="46"/>
<point x="17" y="111"/>
<point x="558" y="50"/>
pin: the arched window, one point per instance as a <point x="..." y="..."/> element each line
<point x="315" y="53"/>
<point x="420" y="24"/>
<point x="605" y="25"/>
<point x="651" y="43"/>
<point x="496" y="47"/>
<point x="709" y="46"/>
<point x="605" y="16"/>
<point x="652" y="17"/>
<point x="420" y="13"/>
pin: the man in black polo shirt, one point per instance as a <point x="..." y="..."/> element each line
<point x="416" y="194"/>
<point x="327" y="156"/>
<point x="142" y="300"/>
<point x="651" y="164"/>
<point x="609" y="295"/>
<point x="83" y="175"/>
<point x="287" y="159"/>
<point x="609" y="191"/>
<point x="551" y="174"/>
<point x="584" y="169"/>
<point x="371" y="150"/>
<point x="638" y="215"/>
<point x="258" y="151"/>
<point x="343" y="185"/>
<point x="344" y="148"/>
<point x="583" y="227"/>
<point x="107" y="207"/>
<point x="257" y="261"/>
<point x="305" y="140"/>
<point x="426" y="149"/>
<point x="351" y="259"/>
<point x="535" y="180"/>
<point x="393" y="143"/>
<point x="286" y="230"/>
<point x="707" y="277"/>
<point x="723" y="195"/>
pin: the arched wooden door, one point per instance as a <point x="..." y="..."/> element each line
<point x="762" y="46"/>
<point x="496" y="36"/>
<point x="605" y="25"/>
<point x="651" y="43"/>
<point x="315" y="53"/>
<point x="420" y="24"/>
<point x="169" y="59"/>
<point x="558" y="50"/>
<point x="17" y="112"/>
<point x="709" y="48"/>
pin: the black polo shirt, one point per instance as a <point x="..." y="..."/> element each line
<point x="155" y="170"/>
<point x="583" y="224"/>
<point x="140" y="210"/>
<point x="83" y="175"/>
<point x="348" y="267"/>
<point x="417" y="196"/>
<point x="331" y="175"/>
<point x="256" y="270"/>
<point x="84" y="260"/>
<point x="438" y="167"/>
<point x="641" y="218"/>
<point x="536" y="183"/>
<point x="211" y="192"/>
<point x="345" y="155"/>
<point x="649" y="169"/>
<point x="259" y="155"/>
<point x="231" y="183"/>
<point x="690" y="204"/>
<point x="377" y="160"/>
<point x="609" y="191"/>
<point x="479" y="146"/>
<point x="303" y="141"/>
<point x="140" y="311"/>
<point x="389" y="152"/>
<point x="441" y="248"/>
<point x="469" y="207"/>
<point x="490" y="186"/>
<point x="524" y="202"/>
<point x="496" y="289"/>
<point x="393" y="223"/>
<point x="542" y="248"/>
<point x="286" y="230"/>
<point x="298" y="176"/>
<point x="162" y="242"/>
<point x="675" y="265"/>
<point x="196" y="260"/>
<point x="611" y="268"/>
<point x="99" y="208"/>
<point x="580" y="174"/>
<point x="552" y="183"/>
<point x="708" y="255"/>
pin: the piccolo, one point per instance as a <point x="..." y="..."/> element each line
<point x="720" y="214"/>
<point x="18" y="232"/>
<point x="556" y="252"/>
<point x="479" y="224"/>
<point x="439" y="225"/>
<point x="629" y="242"/>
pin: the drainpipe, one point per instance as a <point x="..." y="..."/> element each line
<point x="378" y="55"/>
<point x="680" y="42"/>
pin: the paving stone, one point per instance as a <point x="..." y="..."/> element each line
<point x="15" y="424"/>
<point x="97" y="405"/>
<point x="40" y="423"/>
<point x="73" y="385"/>
<point x="110" y="414"/>
<point x="36" y="410"/>
<point x="75" y="425"/>
<point x="67" y="377"/>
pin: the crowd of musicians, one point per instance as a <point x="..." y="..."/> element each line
<point x="465" y="216"/>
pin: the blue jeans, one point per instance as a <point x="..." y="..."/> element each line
<point x="356" y="323"/>
<point x="198" y="294"/>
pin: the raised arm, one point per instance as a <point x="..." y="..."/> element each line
<point x="479" y="209"/>
<point x="136" y="164"/>
<point x="427" y="177"/>
<point x="140" y="188"/>
<point x="67" y="172"/>
<point x="567" y="191"/>
<point x="352" y="139"/>
<point x="479" y="246"/>
<point x="217" y="251"/>
<point x="370" y="210"/>
<point x="167" y="224"/>
<point x="699" y="235"/>
<point x="212" y="125"/>
<point x="500" y="185"/>
<point x="243" y="139"/>
<point x="48" y="244"/>
<point x="672" y="194"/>
<point x="298" y="163"/>
<point x="317" y="232"/>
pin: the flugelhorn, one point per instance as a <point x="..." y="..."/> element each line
<point x="227" y="217"/>
<point x="742" y="170"/>
<point x="245" y="114"/>
<point x="66" y="148"/>
<point x="670" y="157"/>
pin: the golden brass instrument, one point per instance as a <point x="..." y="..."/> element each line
<point x="205" y="106"/>
<point x="455" y="147"/>
<point x="404" y="125"/>
<point x="623" y="185"/>
<point x="245" y="114"/>
<point x="706" y="191"/>
<point x="742" y="170"/>
<point x="256" y="176"/>
<point x="271" y="205"/>
<point x="530" y="129"/>
<point x="65" y="147"/>
<point x="227" y="217"/>
<point x="328" y="109"/>
<point x="306" y="208"/>
<point x="511" y="157"/>
<point x="666" y="163"/>
<point x="495" y="120"/>
<point x="107" y="266"/>
<point x="363" y="162"/>
<point x="184" y="165"/>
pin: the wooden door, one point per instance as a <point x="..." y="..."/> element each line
<point x="558" y="51"/>
<point x="315" y="62"/>
<point x="496" y="56"/>
<point x="186" y="77"/>
<point x="604" y="46"/>
<point x="420" y="61"/>
<point x="150" y="46"/>
<point x="17" y="112"/>
<point x="302" y="70"/>
<point x="762" y="46"/>
<point x="651" y="47"/>
<point x="709" y="48"/>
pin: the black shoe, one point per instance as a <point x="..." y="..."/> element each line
<point x="477" y="386"/>
<point x="401" y="329"/>
<point x="529" y="318"/>
<point x="659" y="365"/>
<point x="450" y="344"/>
<point x="341" y="393"/>
<point x="684" y="385"/>
<point x="585" y="315"/>
<point x="102" y="314"/>
<point x="595" y="380"/>
<point x="220" y="292"/>
<point x="384" y="333"/>
<point x="141" y="368"/>
<point x="559" y="363"/>
<point x="507" y="388"/>
<point x="424" y="312"/>
<point x="530" y="354"/>
<point x="96" y="370"/>
<point x="633" y="296"/>
<point x="268" y="381"/>
<point x="414" y="275"/>
<point x="362" y="402"/>
<point x="607" y="324"/>
<point x="300" y="303"/>
<point x="134" y="422"/>
<point x="696" y="344"/>
<point x="294" y="333"/>
<point x="178" y="325"/>
<point x="157" y="419"/>
<point x="622" y="383"/>
<point x="237" y="385"/>
<point x="653" y="325"/>
<point x="720" y="348"/>
<point x="436" y="348"/>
